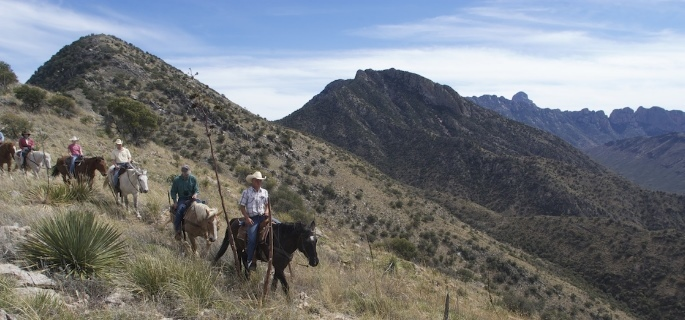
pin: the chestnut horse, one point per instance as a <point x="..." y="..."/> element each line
<point x="7" y="152"/>
<point x="84" y="171"/>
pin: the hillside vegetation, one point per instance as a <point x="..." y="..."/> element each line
<point x="547" y="197"/>
<point x="657" y="163"/>
<point x="387" y="250"/>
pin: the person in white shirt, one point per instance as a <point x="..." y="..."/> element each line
<point x="254" y="205"/>
<point x="122" y="161"/>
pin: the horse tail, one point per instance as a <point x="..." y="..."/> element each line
<point x="224" y="245"/>
<point x="55" y="171"/>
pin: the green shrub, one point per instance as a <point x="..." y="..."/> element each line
<point x="132" y="119"/>
<point x="63" y="105"/>
<point x="402" y="247"/>
<point x="7" y="76"/>
<point x="32" y="97"/>
<point x="14" y="124"/>
<point x="75" y="243"/>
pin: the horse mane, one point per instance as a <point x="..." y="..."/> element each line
<point x="293" y="227"/>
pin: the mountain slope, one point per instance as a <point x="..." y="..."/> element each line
<point x="585" y="129"/>
<point x="352" y="201"/>
<point x="655" y="162"/>
<point x="543" y="191"/>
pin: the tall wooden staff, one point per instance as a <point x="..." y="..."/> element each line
<point x="229" y="233"/>
<point x="271" y="254"/>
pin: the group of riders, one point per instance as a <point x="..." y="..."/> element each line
<point x="254" y="201"/>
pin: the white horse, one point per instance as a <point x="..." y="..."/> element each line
<point x="132" y="181"/>
<point x="34" y="160"/>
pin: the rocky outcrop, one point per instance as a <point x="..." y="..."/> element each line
<point x="585" y="129"/>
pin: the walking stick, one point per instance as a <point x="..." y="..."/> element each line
<point x="229" y="233"/>
<point x="271" y="254"/>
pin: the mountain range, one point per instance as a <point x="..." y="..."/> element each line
<point x="442" y="164"/>
<point x="547" y="196"/>
<point x="585" y="128"/>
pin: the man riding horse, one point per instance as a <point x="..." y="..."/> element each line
<point x="122" y="162"/>
<point x="183" y="192"/>
<point x="254" y="205"/>
<point x="26" y="144"/>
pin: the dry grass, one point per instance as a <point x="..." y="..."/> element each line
<point x="348" y="284"/>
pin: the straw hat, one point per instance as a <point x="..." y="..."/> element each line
<point x="256" y="175"/>
<point x="118" y="141"/>
<point x="74" y="138"/>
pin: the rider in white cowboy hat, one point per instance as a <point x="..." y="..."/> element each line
<point x="122" y="161"/>
<point x="76" y="153"/>
<point x="254" y="205"/>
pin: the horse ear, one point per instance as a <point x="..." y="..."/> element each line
<point x="312" y="225"/>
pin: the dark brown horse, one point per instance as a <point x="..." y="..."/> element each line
<point x="288" y="238"/>
<point x="7" y="151"/>
<point x="85" y="171"/>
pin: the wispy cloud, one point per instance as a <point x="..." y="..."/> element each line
<point x="563" y="57"/>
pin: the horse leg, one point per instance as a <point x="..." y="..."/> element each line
<point x="193" y="246"/>
<point x="280" y="275"/>
<point x="135" y="205"/>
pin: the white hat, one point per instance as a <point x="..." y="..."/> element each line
<point x="74" y="138"/>
<point x="118" y="141"/>
<point x="256" y="175"/>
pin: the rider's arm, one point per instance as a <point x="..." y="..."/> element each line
<point x="174" y="191"/>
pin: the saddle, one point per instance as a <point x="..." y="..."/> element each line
<point x="262" y="233"/>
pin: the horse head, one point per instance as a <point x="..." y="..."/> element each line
<point x="142" y="181"/>
<point x="307" y="243"/>
<point x="100" y="164"/>
<point x="212" y="226"/>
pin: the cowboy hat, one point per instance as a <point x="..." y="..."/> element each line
<point x="74" y="138"/>
<point x="185" y="167"/>
<point x="256" y="175"/>
<point x="118" y="141"/>
<point x="25" y="132"/>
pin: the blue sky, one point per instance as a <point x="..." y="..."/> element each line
<point x="271" y="57"/>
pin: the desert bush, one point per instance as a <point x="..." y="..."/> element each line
<point x="150" y="275"/>
<point x="43" y="306"/>
<point x="63" y="105"/>
<point x="75" y="243"/>
<point x="132" y="119"/>
<point x="193" y="286"/>
<point x="520" y="304"/>
<point x="64" y="193"/>
<point x="14" y="124"/>
<point x="32" y="97"/>
<point x="402" y="247"/>
<point x="7" y="76"/>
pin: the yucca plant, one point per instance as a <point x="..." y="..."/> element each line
<point x="65" y="193"/>
<point x="76" y="243"/>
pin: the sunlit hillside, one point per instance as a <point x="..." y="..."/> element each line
<point x="386" y="250"/>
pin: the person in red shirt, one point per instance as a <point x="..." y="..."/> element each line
<point x="76" y="153"/>
<point x="26" y="144"/>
